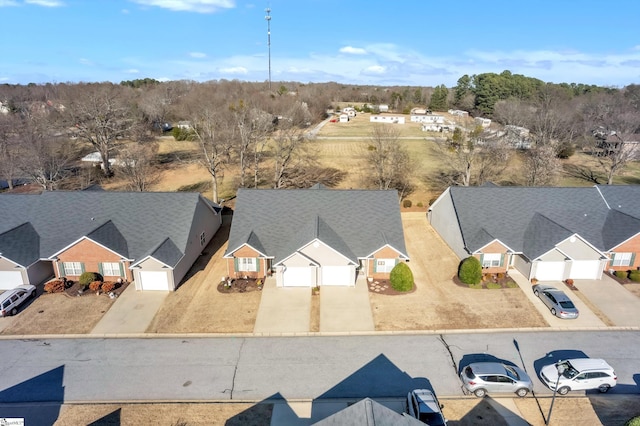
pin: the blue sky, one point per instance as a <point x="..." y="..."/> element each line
<point x="379" y="42"/>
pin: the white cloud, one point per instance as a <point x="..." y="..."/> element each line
<point x="374" y="69"/>
<point x="199" y="6"/>
<point x="125" y="11"/>
<point x="5" y="3"/>
<point x="197" y="55"/>
<point x="234" y="70"/>
<point x="132" y="71"/>
<point x="45" y="3"/>
<point x="353" y="50"/>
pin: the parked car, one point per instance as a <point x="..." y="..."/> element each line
<point x="423" y="405"/>
<point x="557" y="301"/>
<point x="11" y="300"/>
<point x="481" y="378"/>
<point x="579" y="374"/>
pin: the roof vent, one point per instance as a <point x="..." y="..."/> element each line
<point x="93" y="218"/>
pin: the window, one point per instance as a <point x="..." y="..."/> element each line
<point x="385" y="265"/>
<point x="72" y="268"/>
<point x="622" y="259"/>
<point x="111" y="269"/>
<point x="247" y="264"/>
<point x="202" y="239"/>
<point x="491" y="259"/>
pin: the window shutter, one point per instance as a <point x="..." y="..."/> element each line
<point x="235" y="264"/>
<point x="613" y="256"/>
<point x="100" y="270"/>
<point x="121" y="269"/>
<point x="82" y="267"/>
<point x="633" y="259"/>
<point x="61" y="269"/>
<point x="375" y="265"/>
<point x="257" y="264"/>
<point x="481" y="259"/>
<point x="502" y="259"/>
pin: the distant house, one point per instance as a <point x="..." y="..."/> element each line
<point x="516" y="136"/>
<point x="484" y="122"/>
<point x="418" y="118"/>
<point x="431" y="127"/>
<point x="394" y="119"/>
<point x="350" y="111"/>
<point x="458" y="113"/>
<point x="383" y="108"/>
<point x="344" y="118"/>
<point x="184" y="125"/>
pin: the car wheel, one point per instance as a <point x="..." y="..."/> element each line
<point x="33" y="295"/>
<point x="480" y="393"/>
<point x="14" y="311"/>
<point x="563" y="390"/>
<point x="604" y="388"/>
<point x="522" y="392"/>
<point x="553" y="311"/>
<point x="537" y="293"/>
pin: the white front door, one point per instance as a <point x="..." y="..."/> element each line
<point x="337" y="275"/>
<point x="585" y="270"/>
<point x="298" y="276"/>
<point x="154" y="280"/>
<point x="549" y="271"/>
<point x="10" y="279"/>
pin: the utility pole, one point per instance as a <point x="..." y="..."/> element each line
<point x="268" y="19"/>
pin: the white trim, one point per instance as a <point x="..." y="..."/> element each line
<point x="555" y="247"/>
<point x="445" y="193"/>
<point x="351" y="262"/>
<point x="16" y="263"/>
<point x="156" y="259"/>
<point x="625" y="241"/>
<point x="400" y="254"/>
<point x="509" y="249"/>
<point x="602" y="196"/>
<point x="89" y="239"/>
<point x="231" y="256"/>
<point x="299" y="254"/>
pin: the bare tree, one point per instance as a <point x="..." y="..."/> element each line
<point x="541" y="166"/>
<point x="288" y="143"/>
<point x="391" y="164"/>
<point x="137" y="164"/>
<point x="99" y="115"/>
<point x="9" y="147"/>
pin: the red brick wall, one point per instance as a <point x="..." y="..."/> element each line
<point x="631" y="246"/>
<point x="91" y="254"/>
<point x="495" y="247"/>
<point x="383" y="253"/>
<point x="247" y="251"/>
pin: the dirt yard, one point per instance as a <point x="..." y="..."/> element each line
<point x="437" y="302"/>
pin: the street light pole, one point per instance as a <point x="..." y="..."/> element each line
<point x="560" y="368"/>
<point x="268" y="19"/>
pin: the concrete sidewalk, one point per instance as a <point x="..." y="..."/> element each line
<point x="283" y="309"/>
<point x="616" y="302"/>
<point x="586" y="318"/>
<point x="346" y="309"/>
<point x="132" y="312"/>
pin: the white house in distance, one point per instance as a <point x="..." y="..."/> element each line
<point x="433" y="119"/>
<point x="484" y="122"/>
<point x="350" y="111"/>
<point x="344" y="118"/>
<point x="458" y="112"/>
<point x="394" y="119"/>
<point x="383" y="108"/>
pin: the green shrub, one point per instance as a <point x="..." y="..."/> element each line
<point x="512" y="284"/>
<point x="621" y="274"/>
<point x="634" y="276"/>
<point x="633" y="422"/>
<point x="476" y="286"/>
<point x="493" y="285"/>
<point x="470" y="271"/>
<point x="401" y="277"/>
<point x="88" y="277"/>
<point x="406" y="203"/>
<point x="420" y="204"/>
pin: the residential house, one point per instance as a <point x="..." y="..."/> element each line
<point x="344" y="118"/>
<point x="484" y="122"/>
<point x="370" y="413"/>
<point x="317" y="236"/>
<point x="458" y="113"/>
<point x="350" y="111"/>
<point x="427" y="118"/>
<point x="393" y="119"/>
<point x="545" y="233"/>
<point x="383" y="108"/>
<point x="147" y="237"/>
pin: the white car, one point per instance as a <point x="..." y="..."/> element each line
<point x="579" y="374"/>
<point x="12" y="299"/>
<point x="423" y="405"/>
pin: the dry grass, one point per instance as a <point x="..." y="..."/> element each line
<point x="60" y="314"/>
<point x="198" y="307"/>
<point x="471" y="412"/>
<point x="440" y="304"/>
<point x="228" y="414"/>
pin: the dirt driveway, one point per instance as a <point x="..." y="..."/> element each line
<point x="438" y="303"/>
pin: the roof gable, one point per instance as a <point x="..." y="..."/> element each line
<point x="109" y="236"/>
<point x="20" y="245"/>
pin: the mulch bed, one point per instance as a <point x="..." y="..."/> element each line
<point x="74" y="290"/>
<point x="384" y="287"/>
<point x="240" y="286"/>
<point x="622" y="281"/>
<point x="503" y="282"/>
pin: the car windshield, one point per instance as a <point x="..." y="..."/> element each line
<point x="511" y="372"/>
<point x="567" y="304"/>
<point x="569" y="372"/>
<point x="434" y="419"/>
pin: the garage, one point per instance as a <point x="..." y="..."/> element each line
<point x="154" y="280"/>
<point x="549" y="271"/>
<point x="585" y="270"/>
<point x="298" y="276"/>
<point x="337" y="275"/>
<point x="10" y="279"/>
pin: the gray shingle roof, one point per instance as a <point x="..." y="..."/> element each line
<point x="354" y="222"/>
<point x="532" y="220"/>
<point x="368" y="412"/>
<point x="129" y="223"/>
<point x="20" y="244"/>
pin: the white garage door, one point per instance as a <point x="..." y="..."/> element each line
<point x="336" y="275"/>
<point x="10" y="279"/>
<point x="297" y="276"/>
<point x="585" y="270"/>
<point x="549" y="271"/>
<point x="154" y="280"/>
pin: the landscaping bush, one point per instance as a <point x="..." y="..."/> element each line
<point x="470" y="271"/>
<point x="493" y="285"/>
<point x="108" y="286"/>
<point x="87" y="278"/>
<point x="420" y="204"/>
<point x="406" y="203"/>
<point x="475" y="286"/>
<point x="633" y="422"/>
<point x="401" y="277"/>
<point x="56" y="286"/>
<point x="634" y="276"/>
<point x="512" y="284"/>
<point x="500" y="275"/>
<point x="95" y="285"/>
<point x="621" y="274"/>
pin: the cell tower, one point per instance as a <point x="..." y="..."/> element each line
<point x="268" y="19"/>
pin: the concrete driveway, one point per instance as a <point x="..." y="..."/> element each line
<point x="586" y="319"/>
<point x="283" y="309"/>
<point x="619" y="305"/>
<point x="346" y="309"/>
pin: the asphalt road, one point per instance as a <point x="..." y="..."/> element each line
<point x="225" y="368"/>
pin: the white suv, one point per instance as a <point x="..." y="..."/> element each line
<point x="11" y="300"/>
<point x="579" y="374"/>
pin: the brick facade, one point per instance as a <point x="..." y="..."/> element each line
<point x="631" y="246"/>
<point x="383" y="253"/>
<point x="493" y="248"/>
<point x="91" y="255"/>
<point x="246" y="251"/>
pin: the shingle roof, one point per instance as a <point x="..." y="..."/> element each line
<point x="354" y="222"/>
<point x="129" y="223"/>
<point x="368" y="412"/>
<point x="532" y="220"/>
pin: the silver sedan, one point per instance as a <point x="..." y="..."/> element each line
<point x="557" y="301"/>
